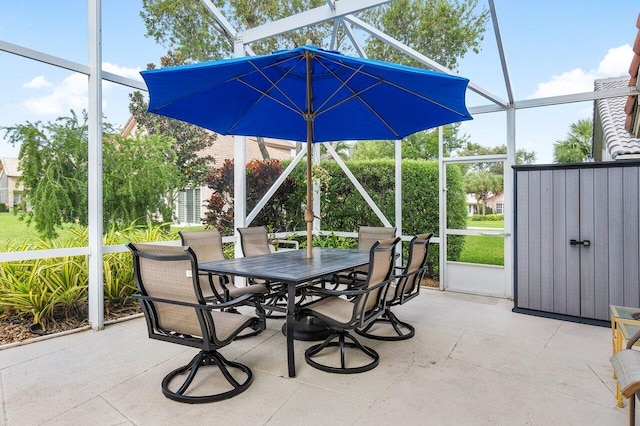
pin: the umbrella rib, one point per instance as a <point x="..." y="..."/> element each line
<point x="356" y="94"/>
<point x="265" y="94"/>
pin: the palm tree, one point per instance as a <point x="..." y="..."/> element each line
<point x="577" y="147"/>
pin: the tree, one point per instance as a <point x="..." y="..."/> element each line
<point x="137" y="178"/>
<point x="443" y="30"/>
<point x="484" y="179"/>
<point x="576" y="148"/>
<point x="261" y="175"/>
<point x="483" y="184"/>
<point x="419" y="146"/>
<point x="187" y="28"/>
<point x="189" y="140"/>
<point x="473" y="149"/>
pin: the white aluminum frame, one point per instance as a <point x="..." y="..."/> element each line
<point x="340" y="12"/>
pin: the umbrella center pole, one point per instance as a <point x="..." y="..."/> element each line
<point x="308" y="214"/>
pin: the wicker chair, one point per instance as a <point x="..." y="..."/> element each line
<point x="406" y="288"/>
<point x="176" y="312"/>
<point x="356" y="310"/>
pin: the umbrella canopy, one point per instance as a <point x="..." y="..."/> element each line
<point x="309" y="95"/>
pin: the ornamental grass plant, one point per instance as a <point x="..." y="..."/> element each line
<point x="52" y="290"/>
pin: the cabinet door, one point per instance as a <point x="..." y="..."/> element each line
<point x="548" y="216"/>
<point x="609" y="219"/>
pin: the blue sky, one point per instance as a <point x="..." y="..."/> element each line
<point x="552" y="48"/>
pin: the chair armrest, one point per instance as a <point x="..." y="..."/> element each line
<point x="353" y="292"/>
<point x="286" y="244"/>
<point x="208" y="306"/>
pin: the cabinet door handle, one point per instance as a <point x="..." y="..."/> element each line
<point x="584" y="243"/>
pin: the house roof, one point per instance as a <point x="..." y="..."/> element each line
<point x="10" y="166"/>
<point x="609" y="123"/>
<point x="632" y="111"/>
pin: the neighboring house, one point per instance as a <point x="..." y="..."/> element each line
<point x="472" y="205"/>
<point x="616" y="121"/>
<point x="496" y="203"/>
<point x="10" y="189"/>
<point x="188" y="209"/>
<point x="493" y="202"/>
<point x="610" y="139"/>
<point x="631" y="109"/>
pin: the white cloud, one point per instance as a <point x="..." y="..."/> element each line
<point x="614" y="64"/>
<point x="70" y="93"/>
<point x="122" y="71"/>
<point x="37" y="83"/>
<point x="574" y="81"/>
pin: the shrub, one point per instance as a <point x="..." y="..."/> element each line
<point x="53" y="289"/>
<point x="3" y="208"/>
<point x="344" y="209"/>
<point x="486" y="217"/>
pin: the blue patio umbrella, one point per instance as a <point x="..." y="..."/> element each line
<point x="308" y="95"/>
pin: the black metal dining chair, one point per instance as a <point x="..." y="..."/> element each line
<point x="176" y="312"/>
<point x="254" y="241"/>
<point x="367" y="237"/>
<point x="405" y="288"/>
<point x="344" y="310"/>
<point x="207" y="245"/>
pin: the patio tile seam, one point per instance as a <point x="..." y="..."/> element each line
<point x="542" y="386"/>
<point x="604" y="382"/>
<point x="277" y="409"/>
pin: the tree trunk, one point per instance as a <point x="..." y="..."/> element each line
<point x="263" y="148"/>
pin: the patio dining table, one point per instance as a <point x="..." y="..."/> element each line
<point x="293" y="268"/>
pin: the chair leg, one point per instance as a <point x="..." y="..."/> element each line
<point x="342" y="344"/>
<point x="203" y="359"/>
<point x="403" y="330"/>
<point x="632" y="410"/>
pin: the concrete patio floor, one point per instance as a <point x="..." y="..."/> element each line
<point x="472" y="362"/>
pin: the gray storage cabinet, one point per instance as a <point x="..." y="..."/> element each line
<point x="577" y="235"/>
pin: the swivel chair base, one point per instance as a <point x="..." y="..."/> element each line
<point x="207" y="359"/>
<point x="342" y="344"/>
<point x="402" y="329"/>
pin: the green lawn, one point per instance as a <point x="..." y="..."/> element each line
<point x="14" y="231"/>
<point x="485" y="250"/>
<point x="485" y="224"/>
<point x="481" y="249"/>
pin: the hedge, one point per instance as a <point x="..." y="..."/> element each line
<point x="344" y="209"/>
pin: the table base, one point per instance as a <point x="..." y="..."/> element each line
<point x="309" y="329"/>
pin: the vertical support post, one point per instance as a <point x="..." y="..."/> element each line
<point x="398" y="191"/>
<point x="442" y="201"/>
<point x="239" y="171"/>
<point x="96" y="293"/>
<point x="509" y="199"/>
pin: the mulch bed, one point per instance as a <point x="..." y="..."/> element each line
<point x="17" y="329"/>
